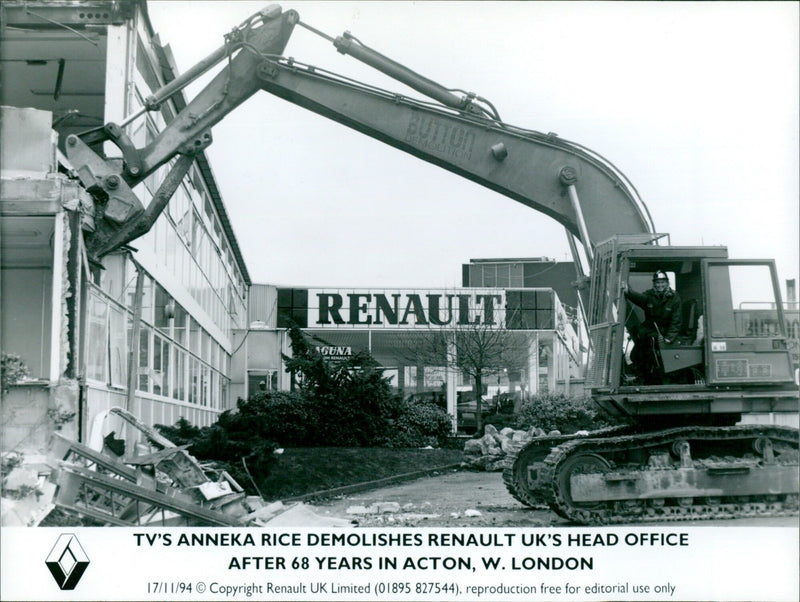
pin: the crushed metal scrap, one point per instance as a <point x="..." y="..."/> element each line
<point x="159" y="484"/>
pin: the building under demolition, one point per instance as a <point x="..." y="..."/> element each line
<point x="156" y="326"/>
<point x="148" y="328"/>
<point x="167" y="324"/>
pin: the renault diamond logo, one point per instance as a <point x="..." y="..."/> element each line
<point x="67" y="561"/>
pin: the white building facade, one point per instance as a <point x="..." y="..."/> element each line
<point x="151" y="329"/>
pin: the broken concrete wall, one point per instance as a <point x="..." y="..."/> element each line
<point x="24" y="420"/>
<point x="37" y="206"/>
<point x="36" y="325"/>
<point x="63" y="410"/>
<point x="63" y="289"/>
<point x="30" y="413"/>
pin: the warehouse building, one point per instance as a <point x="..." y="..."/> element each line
<point x="419" y="337"/>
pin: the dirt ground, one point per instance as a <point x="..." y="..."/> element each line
<point x="466" y="499"/>
<point x="457" y="499"/>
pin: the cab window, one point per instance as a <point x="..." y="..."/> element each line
<point x="742" y="301"/>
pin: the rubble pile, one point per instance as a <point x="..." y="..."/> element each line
<point x="27" y="492"/>
<point x="496" y="449"/>
<point x="150" y="483"/>
<point x="392" y="514"/>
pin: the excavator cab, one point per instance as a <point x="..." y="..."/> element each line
<point x="730" y="356"/>
<point x="747" y="336"/>
<point x="684" y="449"/>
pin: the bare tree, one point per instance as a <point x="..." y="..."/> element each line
<point x="478" y="350"/>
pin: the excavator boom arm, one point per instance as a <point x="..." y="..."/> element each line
<point x="529" y="167"/>
<point x="563" y="180"/>
<point x="119" y="215"/>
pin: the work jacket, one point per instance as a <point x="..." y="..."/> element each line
<point x="662" y="314"/>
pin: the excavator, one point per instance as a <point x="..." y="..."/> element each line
<point x="684" y="452"/>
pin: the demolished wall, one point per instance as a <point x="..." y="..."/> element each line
<point x="33" y="192"/>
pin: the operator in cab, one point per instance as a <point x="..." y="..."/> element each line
<point x="661" y="325"/>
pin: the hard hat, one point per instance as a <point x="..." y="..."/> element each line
<point x="659" y="275"/>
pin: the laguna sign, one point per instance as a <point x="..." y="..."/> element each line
<point x="405" y="308"/>
<point x="335" y="352"/>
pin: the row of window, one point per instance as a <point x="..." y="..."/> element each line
<point x="180" y="361"/>
<point x="167" y="370"/>
<point x="192" y="191"/>
<point x="198" y="226"/>
<point x="503" y="275"/>
<point x="224" y="307"/>
<point x="160" y="310"/>
<point x="189" y="241"/>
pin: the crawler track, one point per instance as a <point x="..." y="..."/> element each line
<point x="724" y="448"/>
<point x="515" y="476"/>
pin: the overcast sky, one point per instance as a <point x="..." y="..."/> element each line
<point x="697" y="103"/>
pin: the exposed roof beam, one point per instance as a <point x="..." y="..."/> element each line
<point x="43" y="14"/>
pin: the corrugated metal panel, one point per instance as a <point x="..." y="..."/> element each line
<point x="263" y="305"/>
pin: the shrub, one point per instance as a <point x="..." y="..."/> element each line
<point x="350" y="401"/>
<point x="181" y="433"/>
<point x="12" y="370"/>
<point x="362" y="419"/>
<point x="556" y="411"/>
<point x="419" y="423"/>
<point x="300" y="420"/>
<point x="287" y="418"/>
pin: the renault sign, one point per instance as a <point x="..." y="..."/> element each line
<point x="405" y="308"/>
